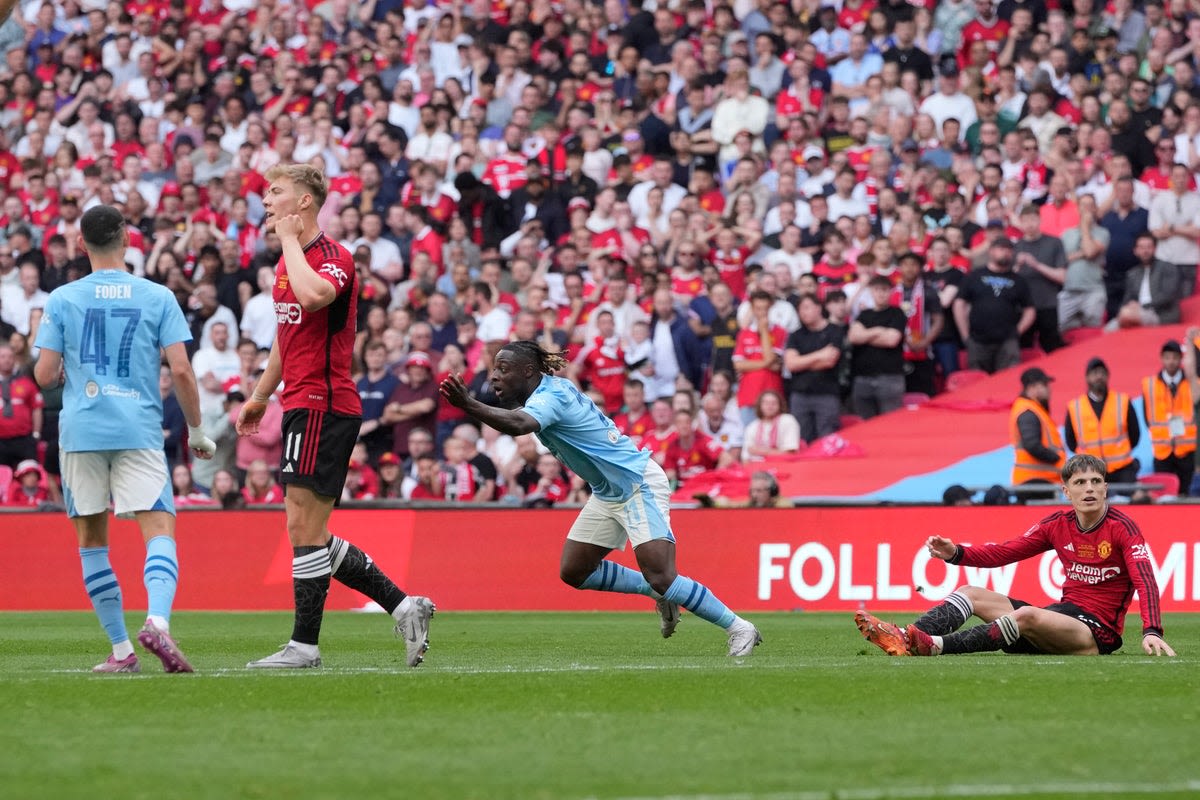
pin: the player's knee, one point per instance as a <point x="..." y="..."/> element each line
<point x="1026" y="616"/>
<point x="660" y="580"/>
<point x="301" y="532"/>
<point x="572" y="575"/>
<point x="972" y="593"/>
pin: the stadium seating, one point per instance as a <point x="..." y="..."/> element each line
<point x="850" y="419"/>
<point x="1168" y="481"/>
<point x="964" y="377"/>
<point x="915" y="399"/>
<point x="1077" y="335"/>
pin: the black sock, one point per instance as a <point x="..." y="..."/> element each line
<point x="947" y="616"/>
<point x="310" y="585"/>
<point x="355" y="568"/>
<point x="982" y="638"/>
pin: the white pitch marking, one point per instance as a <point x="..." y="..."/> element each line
<point x="950" y="791"/>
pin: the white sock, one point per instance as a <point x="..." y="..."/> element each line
<point x="122" y="650"/>
<point x="738" y="622"/>
<point x="160" y="623"/>
<point x="937" y="645"/>
<point x="306" y="650"/>
<point x="405" y="606"/>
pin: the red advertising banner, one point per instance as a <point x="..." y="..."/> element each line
<point x="819" y="559"/>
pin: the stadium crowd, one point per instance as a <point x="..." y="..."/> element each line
<point x="742" y="221"/>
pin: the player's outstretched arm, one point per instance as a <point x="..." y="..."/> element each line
<point x="1155" y="645"/>
<point x="189" y="399"/>
<point x="940" y="547"/>
<point x="514" y="422"/>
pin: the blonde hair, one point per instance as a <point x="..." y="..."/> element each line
<point x="308" y="178"/>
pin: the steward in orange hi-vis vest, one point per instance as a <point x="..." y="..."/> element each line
<point x="1026" y="465"/>
<point x="1169" y="416"/>
<point x="1105" y="436"/>
<point x="1039" y="450"/>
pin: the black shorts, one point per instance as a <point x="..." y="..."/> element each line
<point x="1108" y="641"/>
<point x="316" y="449"/>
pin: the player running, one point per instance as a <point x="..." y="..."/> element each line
<point x="104" y="333"/>
<point x="630" y="494"/>
<point x="1104" y="558"/>
<point x="315" y="293"/>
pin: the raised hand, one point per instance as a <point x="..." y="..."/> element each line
<point x="291" y="225"/>
<point x="940" y="547"/>
<point x="455" y="391"/>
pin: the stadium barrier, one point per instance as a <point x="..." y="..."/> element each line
<point x="819" y="559"/>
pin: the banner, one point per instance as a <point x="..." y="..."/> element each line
<point x="813" y="559"/>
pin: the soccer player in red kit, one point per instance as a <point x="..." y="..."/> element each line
<point x="1104" y="558"/>
<point x="315" y="294"/>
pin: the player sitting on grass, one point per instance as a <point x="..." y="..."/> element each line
<point x="1104" y="558"/>
<point x="631" y="499"/>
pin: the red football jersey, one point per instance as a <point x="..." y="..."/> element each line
<point x="657" y="443"/>
<point x="732" y="266"/>
<point x="316" y="347"/>
<point x="1103" y="566"/>
<point x="702" y="455"/>
<point x="606" y="372"/>
<point x="635" y="429"/>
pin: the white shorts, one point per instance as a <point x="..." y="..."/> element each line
<point x="135" y="480"/>
<point x="643" y="517"/>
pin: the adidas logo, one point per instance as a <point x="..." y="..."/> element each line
<point x="1070" y="547"/>
<point x="288" y="468"/>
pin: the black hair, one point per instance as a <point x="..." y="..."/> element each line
<point x="547" y="363"/>
<point x="102" y="228"/>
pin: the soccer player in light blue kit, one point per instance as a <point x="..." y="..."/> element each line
<point x="104" y="333"/>
<point x="630" y="492"/>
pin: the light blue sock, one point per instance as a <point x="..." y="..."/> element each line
<point x="101" y="584"/>
<point x="696" y="598"/>
<point x="161" y="574"/>
<point x="610" y="577"/>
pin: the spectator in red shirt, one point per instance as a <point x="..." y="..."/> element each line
<point x="635" y="420"/>
<point x="20" y="412"/>
<point x="659" y="438"/>
<point x="731" y="258"/>
<point x="601" y="365"/>
<point x="260" y="485"/>
<point x="758" y="356"/>
<point x="551" y="487"/>
<point x="691" y="452"/>
<point x="430" y="485"/>
<point x="28" y="489"/>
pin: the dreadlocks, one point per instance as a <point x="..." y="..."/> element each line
<point x="547" y="363"/>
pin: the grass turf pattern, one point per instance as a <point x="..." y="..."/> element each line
<point x="587" y="705"/>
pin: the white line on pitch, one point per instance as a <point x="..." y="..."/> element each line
<point x="950" y="791"/>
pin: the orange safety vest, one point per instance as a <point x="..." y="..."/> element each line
<point x="1025" y="466"/>
<point x="1106" y="437"/>
<point x="1160" y="406"/>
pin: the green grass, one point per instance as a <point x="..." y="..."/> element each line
<point x="587" y="705"/>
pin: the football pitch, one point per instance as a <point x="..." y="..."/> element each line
<point x="588" y="706"/>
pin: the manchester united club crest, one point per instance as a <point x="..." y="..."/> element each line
<point x="1105" y="549"/>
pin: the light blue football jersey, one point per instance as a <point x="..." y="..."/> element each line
<point x="109" y="328"/>
<point x="582" y="437"/>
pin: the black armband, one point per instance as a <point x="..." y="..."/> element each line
<point x="958" y="555"/>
